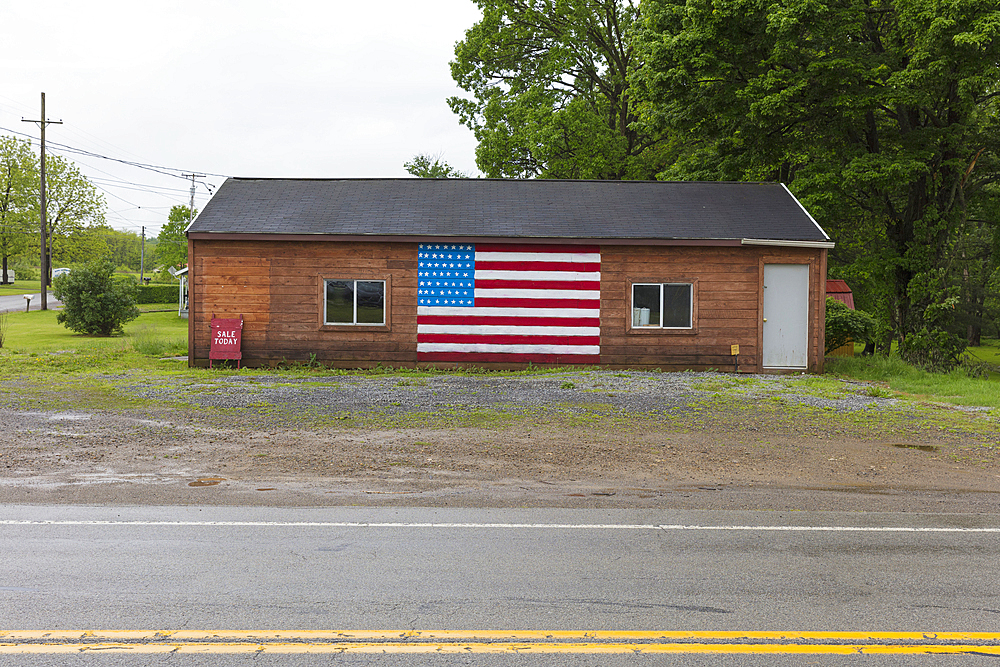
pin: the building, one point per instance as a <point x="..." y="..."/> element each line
<point x="839" y="290"/>
<point x="502" y="273"/>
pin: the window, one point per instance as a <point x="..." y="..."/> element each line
<point x="360" y="302"/>
<point x="662" y="305"/>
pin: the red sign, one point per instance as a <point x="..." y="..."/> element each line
<point x="227" y="336"/>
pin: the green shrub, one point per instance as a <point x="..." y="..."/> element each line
<point x="844" y="325"/>
<point x="95" y="301"/>
<point x="936" y="350"/>
<point x="157" y="293"/>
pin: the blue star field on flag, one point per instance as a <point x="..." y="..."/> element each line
<point x="446" y="275"/>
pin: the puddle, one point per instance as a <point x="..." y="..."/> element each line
<point x="207" y="481"/>
<point x="923" y="448"/>
<point x="68" y="416"/>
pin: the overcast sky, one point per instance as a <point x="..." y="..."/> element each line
<point x="233" y="88"/>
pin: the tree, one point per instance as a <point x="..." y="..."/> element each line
<point x="72" y="202"/>
<point x="426" y="166"/>
<point x="881" y="115"/>
<point x="171" y="242"/>
<point x="18" y="175"/>
<point x="551" y="92"/>
<point x="95" y="302"/>
<point x="101" y="241"/>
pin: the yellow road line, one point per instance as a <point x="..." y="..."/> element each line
<point x="497" y="647"/>
<point x="14" y="636"/>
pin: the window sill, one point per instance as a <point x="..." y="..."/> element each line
<point x="656" y="331"/>
<point x="355" y="327"/>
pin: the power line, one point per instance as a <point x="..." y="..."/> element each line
<point x="152" y="167"/>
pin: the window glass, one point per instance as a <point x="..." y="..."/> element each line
<point x="645" y="305"/>
<point x="662" y="305"/>
<point x="340" y="302"/>
<point x="355" y="302"/>
<point x="371" y="301"/>
<point x="677" y="306"/>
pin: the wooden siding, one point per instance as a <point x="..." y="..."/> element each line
<point x="278" y="288"/>
<point x="727" y="305"/>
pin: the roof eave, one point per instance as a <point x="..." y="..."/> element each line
<point x="787" y="243"/>
<point x="425" y="238"/>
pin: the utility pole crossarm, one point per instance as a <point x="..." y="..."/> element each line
<point x="191" y="209"/>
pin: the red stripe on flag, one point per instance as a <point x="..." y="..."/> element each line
<point x="512" y="358"/>
<point x="503" y="247"/>
<point x="493" y="339"/>
<point x="538" y="284"/>
<point x="504" y="302"/>
<point x="509" y="320"/>
<point x="590" y="267"/>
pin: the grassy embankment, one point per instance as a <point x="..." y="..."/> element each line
<point x="35" y="343"/>
<point x="21" y="287"/>
<point x="36" y="336"/>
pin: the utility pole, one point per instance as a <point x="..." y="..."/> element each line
<point x="191" y="209"/>
<point x="142" y="255"/>
<point x="44" y="232"/>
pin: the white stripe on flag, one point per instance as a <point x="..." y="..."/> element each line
<point x="509" y="312"/>
<point x="593" y="295"/>
<point x="495" y="329"/>
<point x="515" y="349"/>
<point x="582" y="258"/>
<point x="537" y="275"/>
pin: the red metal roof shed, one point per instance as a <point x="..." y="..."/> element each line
<point x="839" y="290"/>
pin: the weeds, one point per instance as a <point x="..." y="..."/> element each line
<point x="892" y="373"/>
<point x="148" y="340"/>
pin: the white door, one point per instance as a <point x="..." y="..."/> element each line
<point x="786" y="316"/>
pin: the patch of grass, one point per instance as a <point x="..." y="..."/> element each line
<point x="713" y="384"/>
<point x="23" y="287"/>
<point x="818" y="386"/>
<point x="169" y="307"/>
<point x="876" y="391"/>
<point x="956" y="387"/>
<point x="986" y="357"/>
<point x="156" y="338"/>
<point x="412" y="382"/>
<point x="988" y="352"/>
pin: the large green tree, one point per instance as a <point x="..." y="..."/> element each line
<point x="880" y="114"/>
<point x="428" y="166"/>
<point x="72" y="203"/>
<point x="171" y="243"/>
<point x="550" y="91"/>
<point x="122" y="248"/>
<point x="18" y="176"/>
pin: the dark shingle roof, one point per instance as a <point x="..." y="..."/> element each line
<point x="508" y="209"/>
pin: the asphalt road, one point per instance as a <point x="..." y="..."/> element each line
<point x="16" y="302"/>
<point x="478" y="572"/>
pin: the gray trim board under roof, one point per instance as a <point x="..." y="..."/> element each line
<point x="398" y="209"/>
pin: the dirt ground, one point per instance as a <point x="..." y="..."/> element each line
<point x="793" y="458"/>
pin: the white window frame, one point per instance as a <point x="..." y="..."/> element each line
<point x="355" y="323"/>
<point x="646" y="327"/>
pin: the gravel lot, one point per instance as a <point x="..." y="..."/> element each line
<point x="580" y="439"/>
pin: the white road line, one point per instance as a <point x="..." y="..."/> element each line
<point x="540" y="526"/>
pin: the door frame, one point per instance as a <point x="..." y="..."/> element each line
<point x="816" y="316"/>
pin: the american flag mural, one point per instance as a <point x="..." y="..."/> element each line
<point x="508" y="303"/>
